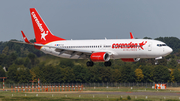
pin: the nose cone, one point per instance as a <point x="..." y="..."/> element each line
<point x="169" y="50"/>
<point x="166" y="51"/>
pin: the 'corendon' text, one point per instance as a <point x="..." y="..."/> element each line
<point x="129" y="45"/>
<point x="37" y="22"/>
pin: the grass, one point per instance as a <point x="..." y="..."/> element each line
<point x="83" y="97"/>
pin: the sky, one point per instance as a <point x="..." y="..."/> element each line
<point x="92" y="19"/>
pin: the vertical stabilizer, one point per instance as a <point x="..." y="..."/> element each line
<point x="42" y="33"/>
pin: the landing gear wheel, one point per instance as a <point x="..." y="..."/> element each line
<point x="90" y="63"/>
<point x="156" y="62"/>
<point x="108" y="63"/>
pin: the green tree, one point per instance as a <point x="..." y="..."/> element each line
<point x="176" y="75"/>
<point x="23" y="75"/>
<point x="12" y="72"/>
<point x="104" y="74"/>
<point x="5" y="50"/>
<point x="161" y="74"/>
<point x="57" y="75"/>
<point x="116" y="75"/>
<point x="19" y="74"/>
<point x="27" y="62"/>
<point x="162" y="62"/>
<point x="2" y="72"/>
<point x="80" y="73"/>
<point x="141" y="62"/>
<point x="19" y="61"/>
<point x="9" y="59"/>
<point x="148" y="73"/>
<point x="66" y="63"/>
<point x="147" y="38"/>
<point x="173" y="63"/>
<point x="2" y="59"/>
<point x="93" y="74"/>
<point x="48" y="72"/>
<point x="67" y="75"/>
<point x="127" y="74"/>
<point x="32" y="57"/>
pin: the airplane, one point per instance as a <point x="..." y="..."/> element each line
<point x="128" y="50"/>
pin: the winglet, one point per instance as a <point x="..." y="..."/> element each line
<point x="131" y="36"/>
<point x="27" y="41"/>
<point x="24" y="37"/>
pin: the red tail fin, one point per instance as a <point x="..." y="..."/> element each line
<point x="42" y="33"/>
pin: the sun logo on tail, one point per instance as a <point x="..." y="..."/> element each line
<point x="43" y="35"/>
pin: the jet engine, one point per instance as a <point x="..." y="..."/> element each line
<point x="99" y="57"/>
<point x="130" y="59"/>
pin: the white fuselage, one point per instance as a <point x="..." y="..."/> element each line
<point x="117" y="48"/>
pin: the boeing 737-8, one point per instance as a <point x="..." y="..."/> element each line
<point x="128" y="50"/>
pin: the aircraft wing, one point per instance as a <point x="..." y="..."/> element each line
<point x="66" y="50"/>
<point x="72" y="52"/>
<point x="22" y="42"/>
<point x="25" y="39"/>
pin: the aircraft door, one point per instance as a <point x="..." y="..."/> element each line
<point x="150" y="46"/>
<point x="101" y="47"/>
<point x="163" y="49"/>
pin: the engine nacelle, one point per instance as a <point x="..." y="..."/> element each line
<point x="100" y="57"/>
<point x="130" y="59"/>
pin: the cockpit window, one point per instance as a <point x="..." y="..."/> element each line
<point x="161" y="45"/>
<point x="164" y="45"/>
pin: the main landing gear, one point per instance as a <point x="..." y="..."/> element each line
<point x="90" y="63"/>
<point x="108" y="63"/>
